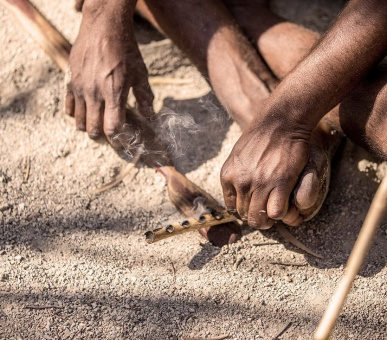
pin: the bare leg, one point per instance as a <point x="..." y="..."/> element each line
<point x="210" y="50"/>
<point x="208" y="34"/>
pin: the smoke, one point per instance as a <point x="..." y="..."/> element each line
<point x="199" y="208"/>
<point x="178" y="131"/>
<point x="131" y="141"/>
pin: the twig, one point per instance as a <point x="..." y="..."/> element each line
<point x="43" y="307"/>
<point x="173" y="270"/>
<point x="291" y="239"/>
<point x="220" y="337"/>
<point x="238" y="262"/>
<point x="168" y="81"/>
<point x="53" y="42"/>
<point x="265" y="244"/>
<point x="27" y="170"/>
<point x="294" y="264"/>
<point x="116" y="180"/>
<point x="282" y="331"/>
<point x="371" y="223"/>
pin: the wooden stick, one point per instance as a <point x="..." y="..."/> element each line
<point x="176" y="228"/>
<point x="291" y="239"/>
<point x="168" y="81"/>
<point x="371" y="223"/>
<point x="43" y="307"/>
<point x="27" y="171"/>
<point x="53" y="42"/>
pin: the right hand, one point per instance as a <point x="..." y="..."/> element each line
<point x="105" y="63"/>
<point x="263" y="168"/>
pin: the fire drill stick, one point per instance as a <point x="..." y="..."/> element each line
<point x="371" y="223"/>
<point x="182" y="192"/>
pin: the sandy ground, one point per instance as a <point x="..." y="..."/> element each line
<point x="86" y="256"/>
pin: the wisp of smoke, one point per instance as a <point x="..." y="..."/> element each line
<point x="132" y="141"/>
<point x="199" y="208"/>
<point x="175" y="130"/>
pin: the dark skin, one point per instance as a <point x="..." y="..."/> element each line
<point x="241" y="89"/>
<point x="105" y="63"/>
<point x="282" y="158"/>
<point x="266" y="162"/>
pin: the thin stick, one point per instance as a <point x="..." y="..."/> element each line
<point x="287" y="326"/>
<point x="53" y="42"/>
<point x="265" y="244"/>
<point x="371" y="223"/>
<point x="127" y="170"/>
<point x="173" y="270"/>
<point x="168" y="81"/>
<point x="221" y="337"/>
<point x="291" y="239"/>
<point x="43" y="307"/>
<point x="289" y="264"/>
<point x="27" y="171"/>
<point x="173" y="229"/>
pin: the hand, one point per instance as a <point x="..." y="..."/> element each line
<point x="105" y="63"/>
<point x="262" y="170"/>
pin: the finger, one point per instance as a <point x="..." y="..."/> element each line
<point x="70" y="103"/>
<point x="70" y="100"/>
<point x="229" y="192"/>
<point x="293" y="217"/>
<point x="113" y="121"/>
<point x="242" y="204"/>
<point x="307" y="189"/>
<point x="144" y="98"/>
<point x="278" y="203"/>
<point x="230" y="197"/>
<point x="94" y="119"/>
<point x="257" y="216"/>
<point x="80" y="113"/>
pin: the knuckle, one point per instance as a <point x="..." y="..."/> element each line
<point x="91" y="91"/>
<point x="284" y="180"/>
<point x="78" y="90"/>
<point x="226" y="177"/>
<point x="242" y="183"/>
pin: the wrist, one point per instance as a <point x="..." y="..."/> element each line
<point x="96" y="8"/>
<point x="295" y="106"/>
<point x="282" y="118"/>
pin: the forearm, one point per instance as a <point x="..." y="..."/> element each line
<point x="355" y="43"/>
